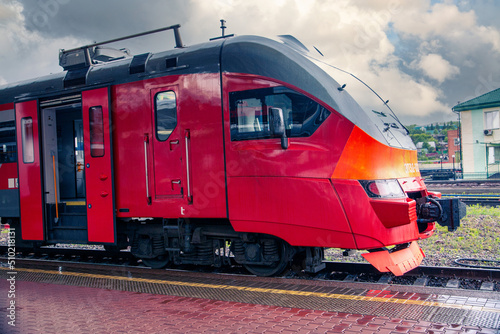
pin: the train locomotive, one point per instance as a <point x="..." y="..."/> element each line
<point x="238" y="150"/>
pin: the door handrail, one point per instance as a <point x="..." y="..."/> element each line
<point x="187" y="138"/>
<point x="55" y="187"/>
<point x="146" y="142"/>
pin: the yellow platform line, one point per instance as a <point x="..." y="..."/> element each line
<point x="261" y="290"/>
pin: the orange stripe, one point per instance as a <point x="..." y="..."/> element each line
<point x="364" y="158"/>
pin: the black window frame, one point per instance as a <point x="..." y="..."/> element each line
<point x="313" y="120"/>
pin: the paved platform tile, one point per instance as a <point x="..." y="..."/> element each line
<point x="51" y="308"/>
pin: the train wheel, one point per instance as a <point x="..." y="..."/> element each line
<point x="275" y="268"/>
<point x="158" y="262"/>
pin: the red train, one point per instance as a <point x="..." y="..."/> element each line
<point x="240" y="150"/>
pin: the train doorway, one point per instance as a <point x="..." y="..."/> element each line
<point x="76" y="163"/>
<point x="63" y="169"/>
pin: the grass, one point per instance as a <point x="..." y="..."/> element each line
<point x="477" y="237"/>
<point x="478" y="210"/>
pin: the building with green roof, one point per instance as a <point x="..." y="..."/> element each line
<point x="480" y="135"/>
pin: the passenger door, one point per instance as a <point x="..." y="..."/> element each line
<point x="169" y="144"/>
<point x="98" y="165"/>
<point x="28" y="157"/>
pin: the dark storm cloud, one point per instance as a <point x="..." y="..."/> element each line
<point x="99" y="20"/>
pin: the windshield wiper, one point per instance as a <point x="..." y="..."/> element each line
<point x="307" y="54"/>
<point x="381" y="113"/>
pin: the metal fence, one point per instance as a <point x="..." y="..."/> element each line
<point x="481" y="176"/>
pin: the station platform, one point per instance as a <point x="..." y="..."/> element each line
<point x="59" y="300"/>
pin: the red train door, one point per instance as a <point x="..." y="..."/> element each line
<point x="169" y="144"/>
<point x="30" y="182"/>
<point x="98" y="166"/>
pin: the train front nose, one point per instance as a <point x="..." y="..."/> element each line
<point x="420" y="209"/>
<point x="395" y="212"/>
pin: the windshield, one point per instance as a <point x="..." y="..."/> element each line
<point x="370" y="111"/>
<point x="290" y="62"/>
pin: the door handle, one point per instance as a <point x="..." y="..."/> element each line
<point x="172" y="143"/>
<point x="175" y="182"/>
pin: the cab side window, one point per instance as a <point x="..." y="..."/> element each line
<point x="165" y="114"/>
<point x="250" y="113"/>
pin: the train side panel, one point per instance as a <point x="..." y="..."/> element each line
<point x="319" y="199"/>
<point x="270" y="205"/>
<point x="170" y="171"/>
<point x="269" y="194"/>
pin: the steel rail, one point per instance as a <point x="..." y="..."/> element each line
<point x="100" y="257"/>
<point x="450" y="272"/>
<point x="471" y="199"/>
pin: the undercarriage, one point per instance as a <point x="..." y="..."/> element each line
<point x="159" y="243"/>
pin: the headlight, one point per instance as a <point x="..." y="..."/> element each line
<point x="383" y="188"/>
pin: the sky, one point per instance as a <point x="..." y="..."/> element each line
<point x="423" y="56"/>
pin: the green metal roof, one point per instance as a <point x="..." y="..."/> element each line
<point x="488" y="100"/>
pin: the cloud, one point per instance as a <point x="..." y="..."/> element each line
<point x="436" y="67"/>
<point x="423" y="56"/>
<point x="440" y="19"/>
<point x="446" y="22"/>
<point x="100" y="20"/>
<point x="26" y="54"/>
<point x="407" y="96"/>
<point x="350" y="36"/>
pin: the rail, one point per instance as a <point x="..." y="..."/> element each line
<point x="471" y="199"/>
<point x="343" y="271"/>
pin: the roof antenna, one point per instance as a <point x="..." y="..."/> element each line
<point x="223" y="27"/>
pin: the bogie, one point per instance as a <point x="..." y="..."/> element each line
<point x="160" y="244"/>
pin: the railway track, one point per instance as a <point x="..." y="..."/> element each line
<point x="443" y="277"/>
<point x="473" y="199"/>
<point x="471" y="192"/>
<point x="467" y="187"/>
